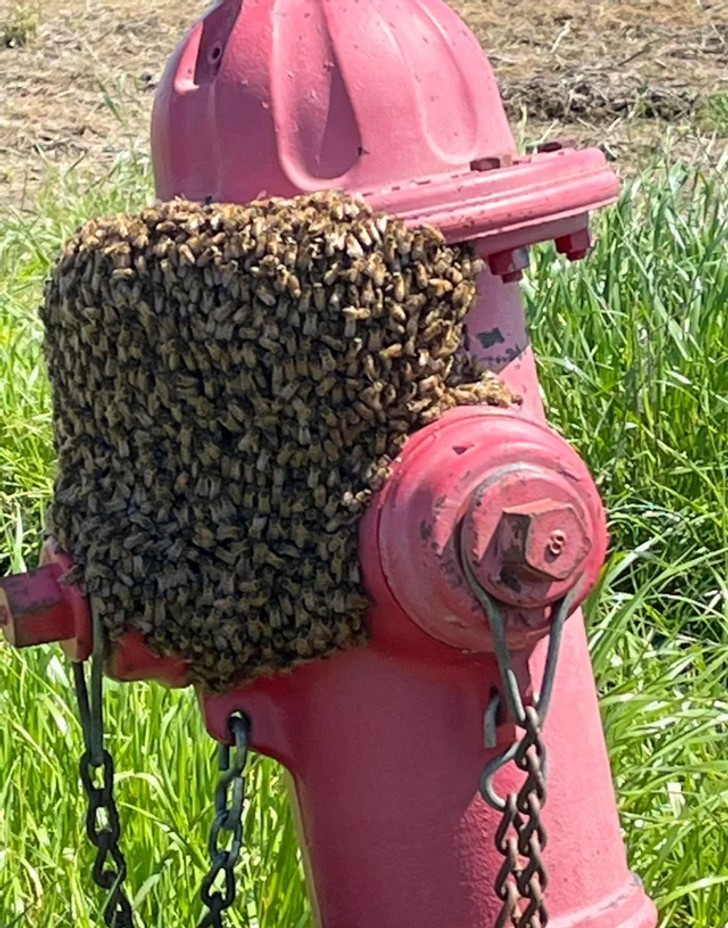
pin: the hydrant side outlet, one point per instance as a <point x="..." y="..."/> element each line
<point x="41" y="606"/>
<point x="514" y="492"/>
<point x="33" y="609"/>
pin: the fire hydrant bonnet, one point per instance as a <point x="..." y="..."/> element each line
<point x="319" y="95"/>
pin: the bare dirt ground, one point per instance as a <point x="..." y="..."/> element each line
<point x="618" y="74"/>
<point x="623" y="75"/>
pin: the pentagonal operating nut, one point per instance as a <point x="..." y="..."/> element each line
<point x="546" y="537"/>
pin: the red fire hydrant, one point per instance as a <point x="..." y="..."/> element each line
<point x="489" y="532"/>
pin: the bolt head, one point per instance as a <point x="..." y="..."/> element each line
<point x="575" y="245"/>
<point x="545" y="538"/>
<point x="529" y="534"/>
<point x="509" y="265"/>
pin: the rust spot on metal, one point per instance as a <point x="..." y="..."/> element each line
<point x="38" y="606"/>
<point x="510" y="355"/>
<point x="452" y="570"/>
<point x="493" y="337"/>
<point x="439" y="504"/>
<point x="510" y="580"/>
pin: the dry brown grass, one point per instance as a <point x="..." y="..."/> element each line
<point x="81" y="92"/>
<point x="610" y="72"/>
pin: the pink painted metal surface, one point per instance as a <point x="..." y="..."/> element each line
<point x="131" y="660"/>
<point x="386" y="753"/>
<point x="447" y="496"/>
<point x="33" y="609"/>
<point x="395" y="100"/>
<point x="38" y="607"/>
<point x="391" y="100"/>
<point x="313" y="94"/>
<point x="546" y="195"/>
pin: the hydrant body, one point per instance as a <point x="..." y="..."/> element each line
<point x="386" y="750"/>
<point x="386" y="756"/>
<point x="394" y="100"/>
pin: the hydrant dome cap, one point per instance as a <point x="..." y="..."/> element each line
<point x="278" y="97"/>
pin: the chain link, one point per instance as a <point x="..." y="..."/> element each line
<point x="228" y="823"/>
<point x="102" y="817"/>
<point x="521" y="837"/>
<point x="103" y="826"/>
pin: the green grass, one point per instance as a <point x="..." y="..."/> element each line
<point x="713" y="114"/>
<point x="634" y="361"/>
<point x="20" y="26"/>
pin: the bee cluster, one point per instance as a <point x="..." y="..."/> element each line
<point x="230" y="386"/>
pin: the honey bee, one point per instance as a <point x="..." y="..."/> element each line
<point x="253" y="377"/>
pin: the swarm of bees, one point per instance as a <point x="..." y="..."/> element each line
<point x="231" y="384"/>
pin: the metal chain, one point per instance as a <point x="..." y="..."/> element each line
<point x="521" y="836"/>
<point x="229" y="805"/>
<point x="102" y="818"/>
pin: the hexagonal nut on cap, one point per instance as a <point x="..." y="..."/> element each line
<point x="530" y="534"/>
<point x="546" y="537"/>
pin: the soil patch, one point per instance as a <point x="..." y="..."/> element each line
<point x="622" y="75"/>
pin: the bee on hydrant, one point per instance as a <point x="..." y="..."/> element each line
<point x="303" y="465"/>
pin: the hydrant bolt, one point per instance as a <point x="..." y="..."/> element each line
<point x="529" y="543"/>
<point x="529" y="533"/>
<point x="575" y="245"/>
<point x="509" y="265"/>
